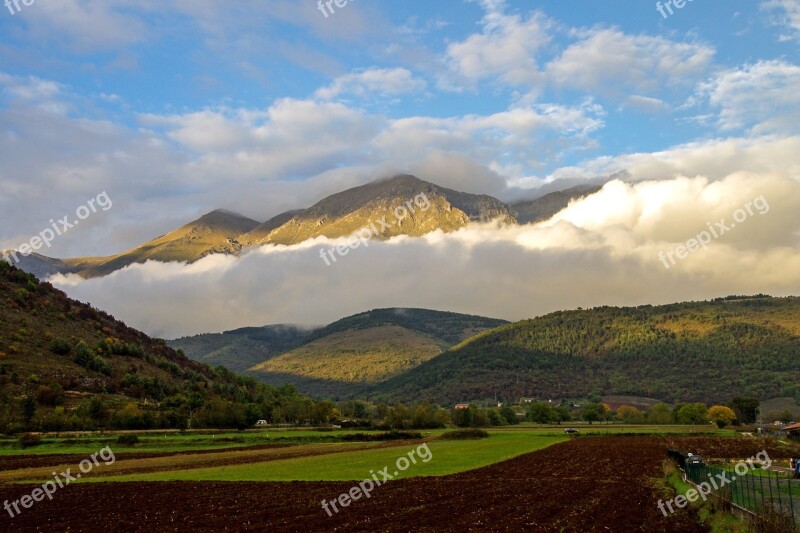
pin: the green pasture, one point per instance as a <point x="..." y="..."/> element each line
<point x="447" y="457"/>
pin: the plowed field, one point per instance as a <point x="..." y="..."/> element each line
<point x="586" y="484"/>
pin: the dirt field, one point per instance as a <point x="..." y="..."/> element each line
<point x="586" y="484"/>
<point x="727" y="448"/>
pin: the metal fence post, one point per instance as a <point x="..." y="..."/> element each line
<point x="748" y="487"/>
<point x="771" y="497"/>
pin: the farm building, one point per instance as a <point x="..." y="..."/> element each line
<point x="793" y="431"/>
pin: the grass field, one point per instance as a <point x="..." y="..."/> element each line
<point x="166" y="442"/>
<point x="173" y="441"/>
<point x="448" y="457"/>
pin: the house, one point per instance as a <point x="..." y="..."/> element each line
<point x="793" y="430"/>
<point x="462" y="406"/>
<point x="262" y="423"/>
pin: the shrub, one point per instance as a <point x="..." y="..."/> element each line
<point x="60" y="346"/>
<point x="465" y="434"/>
<point x="390" y="435"/>
<point x="127" y="440"/>
<point x="29" y="440"/>
<point x="85" y="357"/>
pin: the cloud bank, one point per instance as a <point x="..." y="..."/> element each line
<point x="602" y="250"/>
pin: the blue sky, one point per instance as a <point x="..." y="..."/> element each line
<point x="176" y="108"/>
<point x="522" y="88"/>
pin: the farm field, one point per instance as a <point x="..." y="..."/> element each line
<point x="448" y="457"/>
<point x="170" y="441"/>
<point x="262" y="489"/>
<point x="548" y="489"/>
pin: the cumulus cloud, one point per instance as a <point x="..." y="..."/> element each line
<point x="612" y="62"/>
<point x="762" y="97"/>
<point x="601" y="250"/>
<point x="715" y="159"/>
<point x="505" y="50"/>
<point x="789" y="16"/>
<point x="373" y="82"/>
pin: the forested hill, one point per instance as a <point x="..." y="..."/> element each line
<point x="702" y="351"/>
<point x="449" y="327"/>
<point x="67" y="366"/>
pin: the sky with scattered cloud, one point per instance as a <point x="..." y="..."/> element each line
<point x="176" y="108"/>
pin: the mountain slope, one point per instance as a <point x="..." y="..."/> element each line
<point x="80" y="368"/>
<point x="240" y="349"/>
<point x="707" y="351"/>
<point x="548" y="205"/>
<point x="350" y="354"/>
<point x="343" y="213"/>
<point x="428" y="206"/>
<point x="39" y="265"/>
<point x="215" y="232"/>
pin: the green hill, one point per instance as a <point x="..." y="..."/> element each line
<point x="242" y="348"/>
<point x="65" y="365"/>
<point x="703" y="351"/>
<point x="345" y="357"/>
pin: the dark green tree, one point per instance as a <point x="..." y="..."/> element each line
<point x="746" y="409"/>
<point x="541" y="413"/>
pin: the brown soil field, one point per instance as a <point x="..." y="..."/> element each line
<point x="731" y="448"/>
<point x="585" y="484"/>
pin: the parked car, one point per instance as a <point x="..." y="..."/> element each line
<point x="694" y="460"/>
<point x="571" y="430"/>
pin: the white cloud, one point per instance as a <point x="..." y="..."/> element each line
<point x="87" y="25"/>
<point x="505" y="50"/>
<point x="372" y="83"/>
<point x="611" y="62"/>
<point x="715" y="159"/>
<point x="601" y="250"/>
<point x="762" y="97"/>
<point x="789" y="17"/>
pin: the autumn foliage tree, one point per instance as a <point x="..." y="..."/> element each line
<point x="722" y="416"/>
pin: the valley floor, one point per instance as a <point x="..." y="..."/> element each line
<point x="584" y="484"/>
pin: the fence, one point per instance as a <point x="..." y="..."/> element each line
<point x="755" y="491"/>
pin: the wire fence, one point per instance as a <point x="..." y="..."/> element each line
<point x="758" y="490"/>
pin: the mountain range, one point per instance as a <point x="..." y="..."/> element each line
<point x="693" y="351"/>
<point x="338" y="215"/>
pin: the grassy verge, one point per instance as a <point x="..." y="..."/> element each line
<point x="174" y="442"/>
<point x="709" y="513"/>
<point x="447" y="457"/>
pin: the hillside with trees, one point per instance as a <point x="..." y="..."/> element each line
<point x="685" y="352"/>
<point x="344" y="358"/>
<point x="67" y="366"/>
